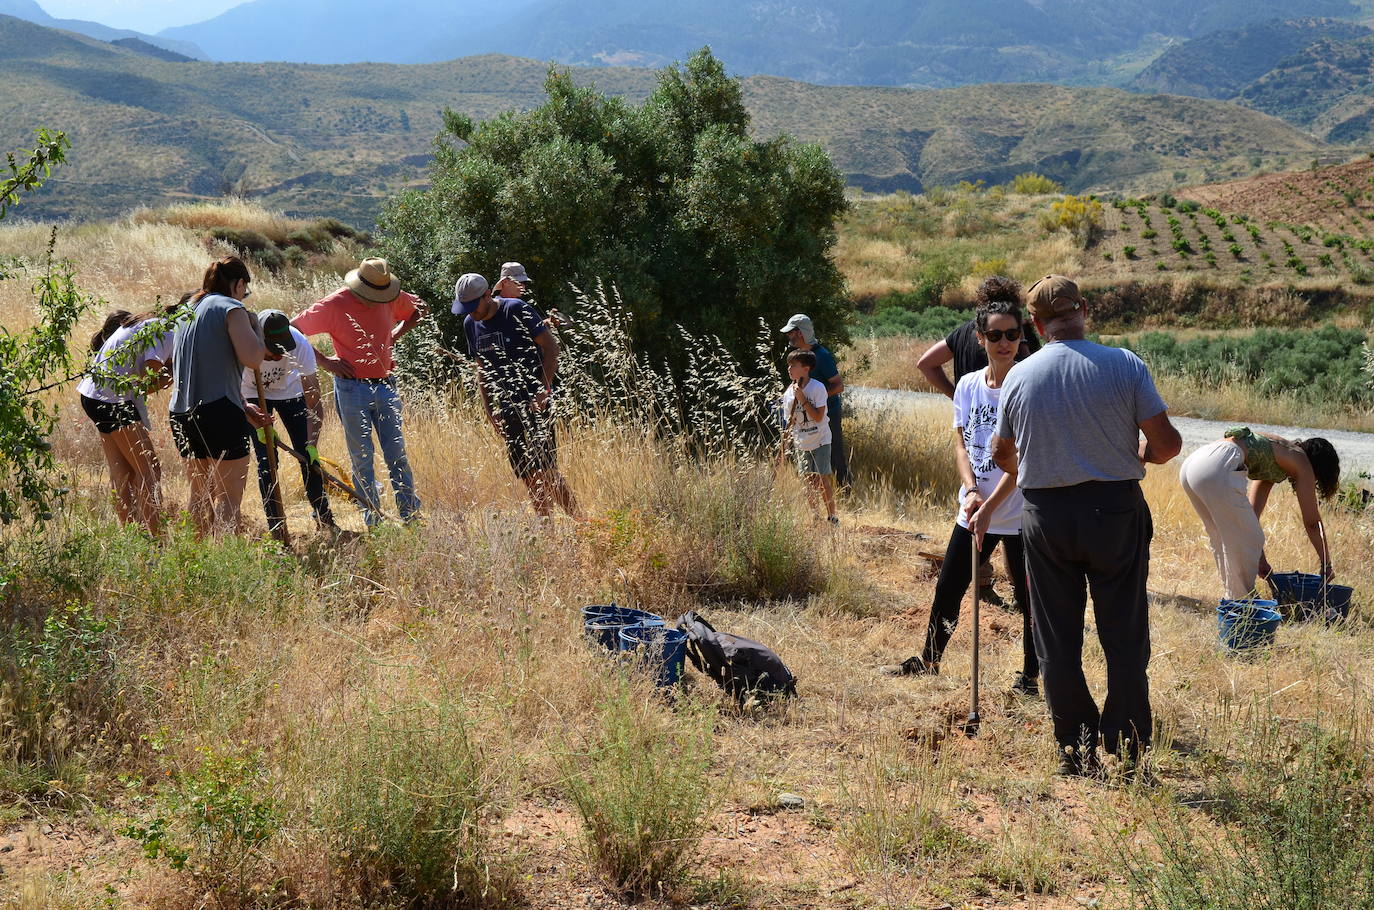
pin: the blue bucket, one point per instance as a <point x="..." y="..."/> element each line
<point x="1337" y="603"/>
<point x="1310" y="596"/>
<point x="603" y="626"/>
<point x="1302" y="591"/>
<point x="664" y="651"/>
<point x="1246" y="624"/>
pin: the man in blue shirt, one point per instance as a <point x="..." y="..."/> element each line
<point x="801" y="335"/>
<point x="517" y="360"/>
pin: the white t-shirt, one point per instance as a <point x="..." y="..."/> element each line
<point x="281" y="379"/>
<point x="807" y="435"/>
<point x="160" y="352"/>
<point x="975" y="415"/>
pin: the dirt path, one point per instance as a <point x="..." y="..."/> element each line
<point x="1356" y="449"/>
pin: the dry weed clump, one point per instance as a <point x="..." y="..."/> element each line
<point x="200" y="217"/>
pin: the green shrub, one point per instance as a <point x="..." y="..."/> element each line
<point x="215" y="821"/>
<point x="1296" y="832"/>
<point x="336" y="228"/>
<point x="1149" y="234"/>
<point x="1320" y="366"/>
<point x="641" y="783"/>
<point x="245" y="240"/>
<point x="1128" y="252"/>
<point x="60" y="696"/>
<point x="402" y="798"/>
<point x="1234" y="249"/>
<point x="929" y="323"/>
<point x="313" y="239"/>
<point x="1032" y="184"/>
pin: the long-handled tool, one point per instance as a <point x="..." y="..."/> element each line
<point x="971" y="725"/>
<point x="329" y="478"/>
<point x="275" y="504"/>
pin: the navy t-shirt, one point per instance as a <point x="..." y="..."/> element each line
<point x="512" y="368"/>
<point x="825" y="370"/>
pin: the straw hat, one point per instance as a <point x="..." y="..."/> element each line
<point x="372" y="281"/>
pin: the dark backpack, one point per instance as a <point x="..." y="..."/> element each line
<point x="740" y="666"/>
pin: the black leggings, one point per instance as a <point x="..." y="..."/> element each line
<point x="292" y="414"/>
<point x="955" y="576"/>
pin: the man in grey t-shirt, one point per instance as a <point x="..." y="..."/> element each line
<point x="1070" y="430"/>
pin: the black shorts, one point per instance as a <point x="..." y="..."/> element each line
<point x="110" y="416"/>
<point x="531" y="443"/>
<point x="216" y="430"/>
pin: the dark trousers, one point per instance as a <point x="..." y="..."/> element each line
<point x="955" y="575"/>
<point x="291" y="414"/>
<point x="1092" y="537"/>
<point x="839" y="456"/>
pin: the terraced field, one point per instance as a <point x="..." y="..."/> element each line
<point x="1142" y="238"/>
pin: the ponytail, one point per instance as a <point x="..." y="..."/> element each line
<point x="113" y="323"/>
<point x="221" y="276"/>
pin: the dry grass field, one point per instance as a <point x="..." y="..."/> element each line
<point x="413" y="719"/>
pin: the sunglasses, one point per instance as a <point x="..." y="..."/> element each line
<point x="996" y="335"/>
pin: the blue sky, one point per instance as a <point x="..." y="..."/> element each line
<point x="143" y="15"/>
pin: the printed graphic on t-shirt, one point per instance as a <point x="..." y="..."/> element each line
<point x="981" y="420"/>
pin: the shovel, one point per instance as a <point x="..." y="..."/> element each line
<point x="971" y="725"/>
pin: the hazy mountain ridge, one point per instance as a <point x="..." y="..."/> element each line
<point x="877" y="42"/>
<point x="341" y="140"/>
<point x="30" y="11"/>
<point x="1317" y="74"/>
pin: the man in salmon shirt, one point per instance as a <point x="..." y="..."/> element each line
<point x="364" y="319"/>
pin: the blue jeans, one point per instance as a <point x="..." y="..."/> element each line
<point x="364" y="405"/>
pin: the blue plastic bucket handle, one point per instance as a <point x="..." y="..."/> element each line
<point x="663" y="649"/>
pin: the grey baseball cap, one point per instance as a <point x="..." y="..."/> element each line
<point x="516" y="271"/>
<point x="467" y="292"/>
<point x="803" y="322"/>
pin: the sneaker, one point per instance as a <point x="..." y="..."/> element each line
<point x="912" y="666"/>
<point x="1025" y="686"/>
<point x="1073" y="763"/>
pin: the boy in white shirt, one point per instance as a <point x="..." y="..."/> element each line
<point x="808" y="429"/>
<point x="293" y="394"/>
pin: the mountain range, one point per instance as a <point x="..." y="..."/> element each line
<point x="30" y="11"/>
<point x="341" y="140"/>
<point x="1317" y="74"/>
<point x="917" y="43"/>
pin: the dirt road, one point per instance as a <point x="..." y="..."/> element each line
<point x="1356" y="449"/>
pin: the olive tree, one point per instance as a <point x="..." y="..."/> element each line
<point x="671" y="202"/>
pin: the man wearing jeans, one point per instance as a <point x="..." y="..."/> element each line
<point x="1070" y="430"/>
<point x="364" y="319"/>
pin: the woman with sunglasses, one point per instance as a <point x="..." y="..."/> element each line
<point x="986" y="490"/>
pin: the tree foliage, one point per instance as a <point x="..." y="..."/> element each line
<point x="29" y="358"/>
<point x="672" y="202"/>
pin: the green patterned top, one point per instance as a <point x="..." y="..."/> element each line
<point x="1260" y="463"/>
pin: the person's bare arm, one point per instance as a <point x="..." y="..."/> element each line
<point x="1162" y="441"/>
<point x="835" y="385"/>
<point x="248" y="347"/>
<point x="314" y="408"/>
<point x="932" y="367"/>
<point x="548" y="356"/>
<point x="964" y="466"/>
<point x="1305" y="485"/>
<point x="405" y="325"/>
<point x="979" y="521"/>
<point x="1004" y="454"/>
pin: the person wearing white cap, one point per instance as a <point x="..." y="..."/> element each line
<point x="801" y="334"/>
<point x="514" y="283"/>
<point x="365" y="318"/>
<point x="517" y="362"/>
